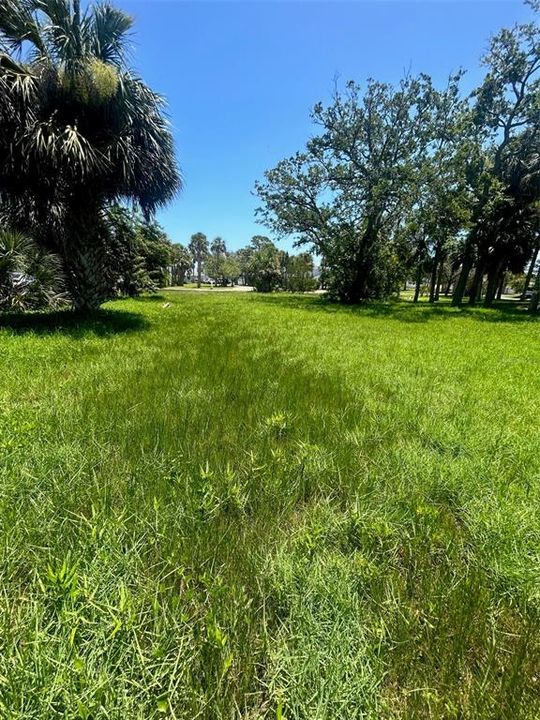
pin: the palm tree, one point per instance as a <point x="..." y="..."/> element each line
<point x="78" y="131"/>
<point x="218" y="247"/>
<point x="199" y="249"/>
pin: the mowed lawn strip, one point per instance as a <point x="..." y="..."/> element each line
<point x="250" y="506"/>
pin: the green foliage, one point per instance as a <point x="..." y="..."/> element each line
<point x="345" y="194"/>
<point x="248" y="505"/>
<point x="224" y="270"/>
<point x="505" y="219"/>
<point x="262" y="265"/>
<point x="140" y="253"/>
<point x="156" y="250"/>
<point x="298" y="273"/>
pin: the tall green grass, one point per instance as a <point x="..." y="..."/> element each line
<point x="240" y="506"/>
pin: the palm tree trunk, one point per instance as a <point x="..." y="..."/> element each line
<point x="530" y="272"/>
<point x="85" y="272"/>
<point x="84" y="258"/>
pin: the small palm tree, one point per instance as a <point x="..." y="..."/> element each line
<point x="78" y="130"/>
<point x="14" y="247"/>
<point x="30" y="277"/>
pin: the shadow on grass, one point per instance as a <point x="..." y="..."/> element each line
<point x="103" y="323"/>
<point x="503" y="311"/>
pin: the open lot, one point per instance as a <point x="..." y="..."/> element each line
<point x="270" y="507"/>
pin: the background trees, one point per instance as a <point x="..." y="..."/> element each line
<point x="140" y="253"/>
<point x="78" y="131"/>
<point x="506" y="114"/>
<point x="415" y="182"/>
<point x="261" y="264"/>
<point x="298" y="272"/>
<point x="221" y="265"/>
<point x="181" y="264"/>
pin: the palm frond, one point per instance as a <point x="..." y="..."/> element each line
<point x="60" y="29"/>
<point x="155" y="175"/>
<point x="13" y="249"/>
<point x="108" y="30"/>
<point x="18" y="24"/>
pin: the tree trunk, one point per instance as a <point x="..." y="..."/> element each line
<point x="530" y="272"/>
<point x="433" y="280"/>
<point x="535" y="297"/>
<point x="199" y="270"/>
<point x="360" y="286"/>
<point x="356" y="291"/>
<point x="492" y="283"/>
<point x="459" y="290"/>
<point x="502" y="283"/>
<point x="475" y="293"/>
<point x="418" y="283"/>
<point x="466" y="266"/>
<point x="439" y="280"/>
<point x="178" y="275"/>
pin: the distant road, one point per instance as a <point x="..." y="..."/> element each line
<point x="208" y="288"/>
<point x="236" y="288"/>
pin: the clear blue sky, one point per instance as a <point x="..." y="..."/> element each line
<point x="240" y="79"/>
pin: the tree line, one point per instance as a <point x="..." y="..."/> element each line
<point x="412" y="181"/>
<point x="260" y="264"/>
<point x="400" y="183"/>
<point x="141" y="258"/>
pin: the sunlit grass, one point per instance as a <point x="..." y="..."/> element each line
<point x="264" y="507"/>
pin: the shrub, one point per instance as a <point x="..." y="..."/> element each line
<point x="30" y="277"/>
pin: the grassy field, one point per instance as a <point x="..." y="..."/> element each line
<point x="256" y="507"/>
